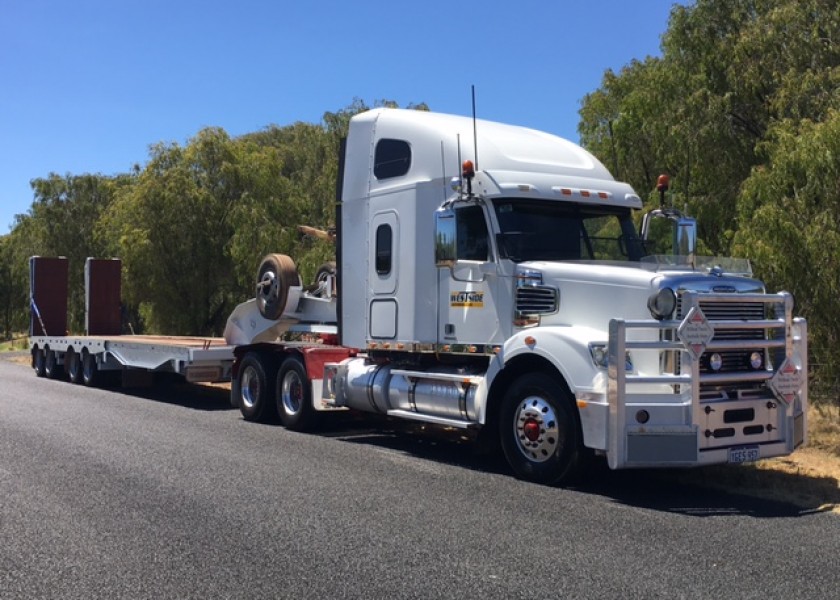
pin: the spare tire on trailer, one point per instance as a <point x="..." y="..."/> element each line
<point x="276" y="275"/>
<point x="326" y="270"/>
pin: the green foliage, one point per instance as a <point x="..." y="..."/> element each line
<point x="729" y="69"/>
<point x="741" y="111"/>
<point x="191" y="226"/>
<point x="789" y="215"/>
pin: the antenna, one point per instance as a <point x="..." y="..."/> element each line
<point x="458" y="139"/>
<point x="475" y="130"/>
<point x="443" y="170"/>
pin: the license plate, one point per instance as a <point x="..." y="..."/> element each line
<point x="744" y="454"/>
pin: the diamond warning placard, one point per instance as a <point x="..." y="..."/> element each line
<point x="695" y="332"/>
<point x="787" y="381"/>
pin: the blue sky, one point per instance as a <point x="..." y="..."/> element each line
<point x="86" y="86"/>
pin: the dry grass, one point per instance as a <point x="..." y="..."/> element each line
<point x="809" y="478"/>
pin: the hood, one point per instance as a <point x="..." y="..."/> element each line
<point x="592" y="293"/>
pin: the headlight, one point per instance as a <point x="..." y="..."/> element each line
<point x="662" y="304"/>
<point x="600" y="356"/>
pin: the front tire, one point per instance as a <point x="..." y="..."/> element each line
<point x="294" y="396"/>
<point x="540" y="430"/>
<point x="254" y="388"/>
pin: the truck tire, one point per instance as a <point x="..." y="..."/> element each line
<point x="73" y="365"/>
<point x="52" y="369"/>
<point x="294" y="396"/>
<point x="90" y="370"/>
<point x="253" y="387"/>
<point x="277" y="273"/>
<point x="539" y="430"/>
<point x="38" y="360"/>
<point x="325" y="271"/>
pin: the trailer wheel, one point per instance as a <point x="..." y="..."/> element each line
<point x="539" y="430"/>
<point x="90" y="371"/>
<point x="294" y="396"/>
<point x="52" y="369"/>
<point x="253" y="388"/>
<point x="277" y="273"/>
<point x="38" y="362"/>
<point x="73" y="362"/>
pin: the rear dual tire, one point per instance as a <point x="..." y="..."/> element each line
<point x="264" y="392"/>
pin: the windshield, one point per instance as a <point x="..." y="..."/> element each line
<point x="551" y="230"/>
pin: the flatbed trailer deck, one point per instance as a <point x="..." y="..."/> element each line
<point x="80" y="358"/>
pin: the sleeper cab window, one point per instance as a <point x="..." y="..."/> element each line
<point x="391" y="159"/>
<point x="383" y="249"/>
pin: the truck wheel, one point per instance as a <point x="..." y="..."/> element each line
<point x="38" y="361"/>
<point x="90" y="371"/>
<point x="52" y="369"/>
<point x="326" y="271"/>
<point x="539" y="430"/>
<point x="294" y="396"/>
<point x="253" y="388"/>
<point x="73" y="362"/>
<point x="276" y="275"/>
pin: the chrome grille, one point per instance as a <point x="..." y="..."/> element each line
<point x="733" y="360"/>
<point x="536" y="300"/>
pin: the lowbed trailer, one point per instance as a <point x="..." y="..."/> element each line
<point x="85" y="358"/>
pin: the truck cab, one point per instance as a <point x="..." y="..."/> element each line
<point x="492" y="277"/>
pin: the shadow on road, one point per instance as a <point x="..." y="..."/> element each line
<point x="174" y="390"/>
<point x="703" y="492"/>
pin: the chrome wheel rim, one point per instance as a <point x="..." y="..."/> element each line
<point x="292" y="393"/>
<point x="535" y="429"/>
<point x="250" y="387"/>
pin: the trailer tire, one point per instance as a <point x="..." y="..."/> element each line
<point x="73" y="365"/>
<point x="540" y="430"/>
<point x="253" y="387"/>
<point x="90" y="371"/>
<point x="38" y="361"/>
<point x="277" y="273"/>
<point x="52" y="369"/>
<point x="294" y="396"/>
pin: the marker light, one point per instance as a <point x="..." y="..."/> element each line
<point x="715" y="361"/>
<point x="756" y="360"/>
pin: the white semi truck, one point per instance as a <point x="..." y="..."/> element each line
<point x="512" y="296"/>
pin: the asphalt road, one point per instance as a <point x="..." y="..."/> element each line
<point x="170" y="494"/>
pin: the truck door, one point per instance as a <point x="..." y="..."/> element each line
<point x="467" y="311"/>
<point x="382" y="309"/>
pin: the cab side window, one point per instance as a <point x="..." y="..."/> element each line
<point x="473" y="239"/>
<point x="392" y="158"/>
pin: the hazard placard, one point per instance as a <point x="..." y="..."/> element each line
<point x="787" y="381"/>
<point x="695" y="332"/>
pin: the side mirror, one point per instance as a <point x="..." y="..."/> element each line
<point x="685" y="231"/>
<point x="685" y="237"/>
<point x="446" y="237"/>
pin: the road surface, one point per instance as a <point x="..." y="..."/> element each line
<point x="170" y="494"/>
